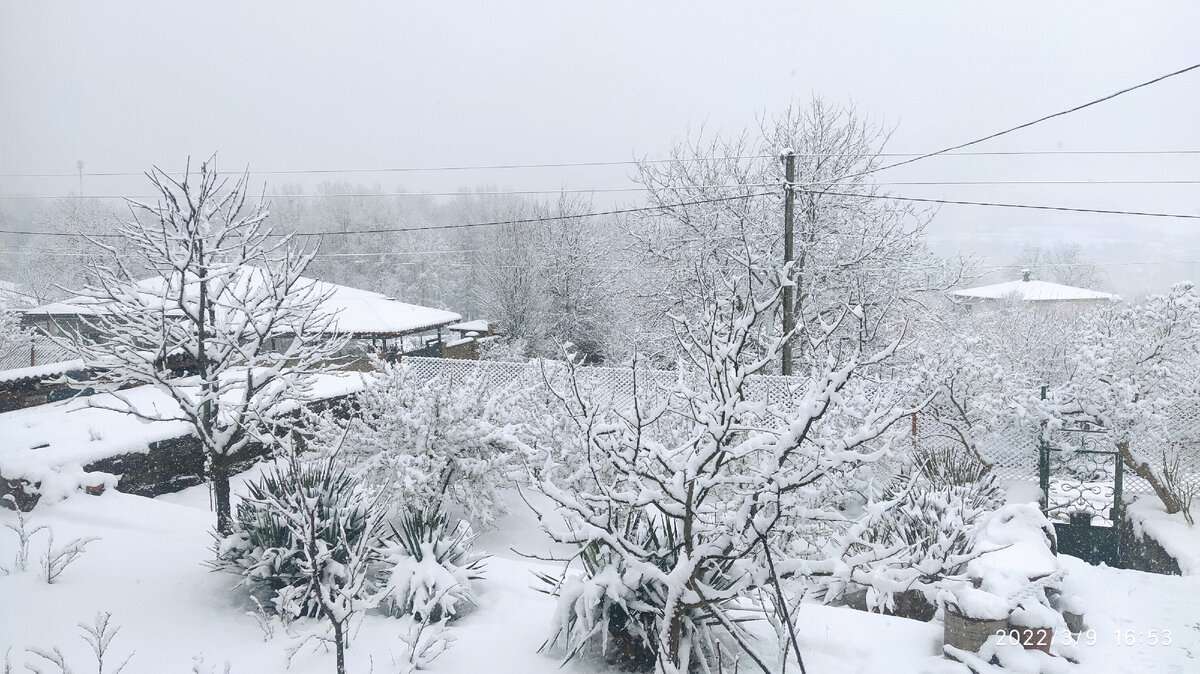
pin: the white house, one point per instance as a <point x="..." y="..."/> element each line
<point x="1040" y="293"/>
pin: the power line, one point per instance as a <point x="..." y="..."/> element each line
<point x="1068" y="209"/>
<point x="600" y="190"/>
<point x="635" y="162"/>
<point x="465" y="225"/>
<point x="461" y="264"/>
<point x="1026" y="125"/>
<point x="595" y="190"/>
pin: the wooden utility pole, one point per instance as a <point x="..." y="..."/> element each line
<point x="789" y="198"/>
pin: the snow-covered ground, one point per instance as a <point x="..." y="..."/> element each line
<point x="147" y="570"/>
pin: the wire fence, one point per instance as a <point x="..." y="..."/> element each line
<point x="1011" y="449"/>
<point x="618" y="386"/>
<point x="32" y="351"/>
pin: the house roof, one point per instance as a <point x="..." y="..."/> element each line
<point x="478" y="325"/>
<point x="359" y="312"/>
<point x="39" y="372"/>
<point x="1034" y="291"/>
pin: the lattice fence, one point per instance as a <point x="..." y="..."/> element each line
<point x="33" y="351"/>
<point x="1011" y="448"/>
<point x="608" y="384"/>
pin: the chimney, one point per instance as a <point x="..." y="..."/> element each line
<point x="1025" y="275"/>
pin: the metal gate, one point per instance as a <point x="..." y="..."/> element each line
<point x="1082" y="482"/>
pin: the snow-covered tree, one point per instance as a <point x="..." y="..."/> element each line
<point x="511" y="290"/>
<point x="50" y="265"/>
<point x="720" y="199"/>
<point x="555" y="282"/>
<point x="11" y="332"/>
<point x="209" y="306"/>
<point x="1136" y="366"/>
<point x="1062" y="263"/>
<point x="990" y="364"/>
<point x="718" y="475"/>
<point x="443" y="443"/>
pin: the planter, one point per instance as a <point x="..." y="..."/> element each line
<point x="1074" y="621"/>
<point x="969" y="634"/>
<point x="1031" y="638"/>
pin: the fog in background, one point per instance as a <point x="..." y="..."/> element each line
<point x="299" y="86"/>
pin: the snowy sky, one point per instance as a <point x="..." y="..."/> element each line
<point x="316" y="85"/>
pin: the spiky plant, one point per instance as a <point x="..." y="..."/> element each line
<point x="432" y="566"/>
<point x="263" y="550"/>
<point x="620" y="610"/>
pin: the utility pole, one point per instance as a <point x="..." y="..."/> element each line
<point x="79" y="166"/>
<point x="789" y="198"/>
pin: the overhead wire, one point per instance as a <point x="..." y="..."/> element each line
<point x="283" y="196"/>
<point x="629" y="162"/>
<point x="1028" y="124"/>
<point x="927" y="155"/>
<point x="1038" y="207"/>
<point x="464" y="225"/>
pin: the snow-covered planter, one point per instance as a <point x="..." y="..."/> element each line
<point x="431" y="568"/>
<point x="1012" y="581"/>
<point x="1033" y="625"/>
<point x="971" y="616"/>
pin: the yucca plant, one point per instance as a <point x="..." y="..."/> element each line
<point x="263" y="550"/>
<point x="929" y="533"/>
<point x="619" y="610"/>
<point x="432" y="566"/>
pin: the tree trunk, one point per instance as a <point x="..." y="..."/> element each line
<point x="341" y="647"/>
<point x="1143" y="470"/>
<point x="219" y="475"/>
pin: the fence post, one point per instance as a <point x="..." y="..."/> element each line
<point x="1118" y="510"/>
<point x="1044" y="464"/>
<point x="1044" y="474"/>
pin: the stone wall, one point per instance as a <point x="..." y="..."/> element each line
<point x="169" y="465"/>
<point x="1143" y="553"/>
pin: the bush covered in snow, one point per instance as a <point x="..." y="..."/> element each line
<point x="430" y="567"/>
<point x="310" y="540"/>
<point x="266" y="551"/>
<point x="431" y="444"/>
<point x="904" y="550"/>
<point x="619" y="610"/>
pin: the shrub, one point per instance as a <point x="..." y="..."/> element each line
<point x="903" y="554"/>
<point x="266" y="552"/>
<point x="440" y="443"/>
<point x="619" y="610"/>
<point x="431" y="567"/>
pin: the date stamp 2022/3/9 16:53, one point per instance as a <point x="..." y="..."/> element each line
<point x="1030" y="638"/>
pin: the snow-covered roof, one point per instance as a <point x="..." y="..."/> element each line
<point x="1034" y="291"/>
<point x="40" y="371"/>
<point x="359" y="312"/>
<point x="479" y="325"/>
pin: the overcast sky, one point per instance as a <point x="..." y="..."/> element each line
<point x="121" y="86"/>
